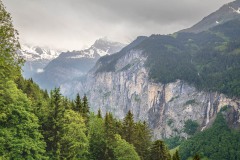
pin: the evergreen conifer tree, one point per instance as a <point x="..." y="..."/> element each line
<point x="159" y="151"/>
<point x="85" y="108"/>
<point x="142" y="140"/>
<point x="128" y="128"/>
<point x="99" y="115"/>
<point x="176" y="156"/>
<point x="54" y="124"/>
<point x="109" y="135"/>
<point x="78" y="107"/>
<point x="196" y="157"/>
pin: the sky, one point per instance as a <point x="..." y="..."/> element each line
<point x="76" y="24"/>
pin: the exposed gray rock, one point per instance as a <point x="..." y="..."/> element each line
<point x="165" y="107"/>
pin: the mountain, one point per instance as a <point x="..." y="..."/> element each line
<point x="36" y="58"/>
<point x="75" y="64"/>
<point x="168" y="80"/>
<point x="226" y="13"/>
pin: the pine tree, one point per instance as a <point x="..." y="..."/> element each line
<point x="55" y="125"/>
<point x="85" y="108"/>
<point x="159" y="151"/>
<point x="97" y="141"/>
<point x="196" y="157"/>
<point x="109" y="135"/>
<point x="142" y="140"/>
<point x="66" y="103"/>
<point x="128" y="128"/>
<point x="176" y="156"/>
<point x="99" y="115"/>
<point x="78" y="107"/>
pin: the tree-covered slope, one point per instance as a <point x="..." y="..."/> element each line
<point x="210" y="60"/>
<point x="217" y="143"/>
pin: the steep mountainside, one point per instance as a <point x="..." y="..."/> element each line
<point x="169" y="79"/>
<point x="71" y="65"/>
<point x="36" y="58"/>
<point x="226" y="13"/>
<point x="165" y="106"/>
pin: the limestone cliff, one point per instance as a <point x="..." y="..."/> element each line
<point x="165" y="106"/>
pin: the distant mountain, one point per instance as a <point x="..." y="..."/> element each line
<point x="36" y="58"/>
<point x="226" y="13"/>
<point x="167" y="80"/>
<point x="75" y="64"/>
<point x="33" y="53"/>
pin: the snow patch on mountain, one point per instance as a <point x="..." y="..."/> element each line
<point x="33" y="53"/>
<point x="100" y="48"/>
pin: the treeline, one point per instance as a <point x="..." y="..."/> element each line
<point x="36" y="125"/>
<point x="209" y="60"/>
<point x="216" y="143"/>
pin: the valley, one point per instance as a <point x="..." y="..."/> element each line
<point x="179" y="92"/>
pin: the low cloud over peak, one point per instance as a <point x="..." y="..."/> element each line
<point x="73" y="24"/>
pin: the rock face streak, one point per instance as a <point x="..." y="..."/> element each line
<point x="165" y="107"/>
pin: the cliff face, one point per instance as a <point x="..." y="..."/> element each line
<point x="165" y="107"/>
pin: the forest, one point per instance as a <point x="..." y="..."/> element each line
<point x="209" y="60"/>
<point x="35" y="124"/>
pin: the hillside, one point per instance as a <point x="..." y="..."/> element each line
<point x="227" y="12"/>
<point x="210" y="60"/>
<point x="168" y="80"/>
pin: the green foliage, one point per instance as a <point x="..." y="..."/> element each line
<point x="128" y="128"/>
<point x="196" y="157"/>
<point x="110" y="131"/>
<point x="216" y="143"/>
<point x="190" y="127"/>
<point x="9" y="61"/>
<point x="85" y="109"/>
<point x="142" y="141"/>
<point x="74" y="142"/>
<point x="123" y="150"/>
<point x="54" y="125"/>
<point x="197" y="61"/>
<point x="20" y="137"/>
<point x="99" y="114"/>
<point x="78" y="106"/>
<point x="97" y="140"/>
<point x="190" y="102"/>
<point x="19" y="134"/>
<point x="210" y="60"/>
<point x="159" y="151"/>
<point x="176" y="156"/>
<point x="173" y="141"/>
<point x="170" y="122"/>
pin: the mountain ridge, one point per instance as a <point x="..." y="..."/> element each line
<point x="75" y="64"/>
<point x="226" y="13"/>
<point x="169" y="78"/>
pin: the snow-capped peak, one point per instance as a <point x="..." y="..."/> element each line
<point x="32" y="53"/>
<point x="100" y="48"/>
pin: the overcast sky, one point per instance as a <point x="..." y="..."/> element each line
<point x="74" y="24"/>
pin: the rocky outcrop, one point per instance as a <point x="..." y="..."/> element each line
<point x="164" y="106"/>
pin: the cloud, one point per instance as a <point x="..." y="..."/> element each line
<point x="72" y="24"/>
